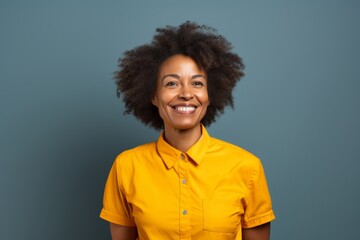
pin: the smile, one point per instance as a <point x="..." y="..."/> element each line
<point x="185" y="109"/>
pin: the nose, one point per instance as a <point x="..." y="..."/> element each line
<point x="186" y="93"/>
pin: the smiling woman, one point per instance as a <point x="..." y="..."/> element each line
<point x="186" y="185"/>
<point x="181" y="97"/>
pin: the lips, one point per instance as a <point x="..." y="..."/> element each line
<point x="184" y="109"/>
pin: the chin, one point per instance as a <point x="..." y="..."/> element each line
<point x="185" y="126"/>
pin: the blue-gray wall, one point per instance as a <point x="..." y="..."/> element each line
<point x="61" y="125"/>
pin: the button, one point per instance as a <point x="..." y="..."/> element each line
<point x="184" y="212"/>
<point x="183" y="181"/>
<point x="182" y="156"/>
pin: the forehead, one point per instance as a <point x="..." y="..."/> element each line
<point x="180" y="63"/>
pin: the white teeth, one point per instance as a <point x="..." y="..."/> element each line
<point x="185" y="109"/>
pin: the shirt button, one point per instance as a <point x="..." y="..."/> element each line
<point x="183" y="181"/>
<point x="184" y="212"/>
<point x="182" y="156"/>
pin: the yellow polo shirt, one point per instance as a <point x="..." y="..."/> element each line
<point x="210" y="192"/>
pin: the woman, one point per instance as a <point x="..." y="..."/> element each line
<point x="186" y="185"/>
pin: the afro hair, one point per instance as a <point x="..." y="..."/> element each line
<point x="138" y="70"/>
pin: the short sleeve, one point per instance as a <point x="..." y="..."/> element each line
<point x="116" y="209"/>
<point x="258" y="209"/>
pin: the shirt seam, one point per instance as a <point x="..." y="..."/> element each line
<point x="258" y="219"/>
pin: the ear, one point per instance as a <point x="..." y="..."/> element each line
<point x="154" y="100"/>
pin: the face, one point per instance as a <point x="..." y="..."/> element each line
<point x="181" y="93"/>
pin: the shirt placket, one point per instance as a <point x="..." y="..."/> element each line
<point x="185" y="228"/>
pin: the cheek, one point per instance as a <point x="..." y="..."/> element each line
<point x="157" y="99"/>
<point x="205" y="98"/>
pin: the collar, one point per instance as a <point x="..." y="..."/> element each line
<point x="171" y="155"/>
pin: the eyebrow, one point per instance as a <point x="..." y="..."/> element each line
<point x="174" y="75"/>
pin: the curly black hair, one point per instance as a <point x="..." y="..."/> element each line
<point x="136" y="79"/>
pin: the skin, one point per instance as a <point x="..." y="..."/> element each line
<point x="119" y="232"/>
<point x="261" y="232"/>
<point x="182" y="99"/>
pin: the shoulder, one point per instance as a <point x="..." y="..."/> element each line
<point x="234" y="153"/>
<point x="131" y="156"/>
<point x="216" y="143"/>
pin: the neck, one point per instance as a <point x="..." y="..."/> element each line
<point x="182" y="139"/>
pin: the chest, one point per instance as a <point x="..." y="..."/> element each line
<point x="187" y="199"/>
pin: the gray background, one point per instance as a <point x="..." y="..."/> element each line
<point x="61" y="124"/>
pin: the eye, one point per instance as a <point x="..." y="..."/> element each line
<point x="171" y="84"/>
<point x="198" y="84"/>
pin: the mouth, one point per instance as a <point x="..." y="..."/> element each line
<point x="184" y="109"/>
